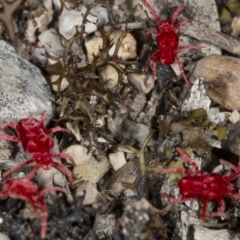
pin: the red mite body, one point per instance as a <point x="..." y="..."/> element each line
<point x="37" y="142"/>
<point x="33" y="136"/>
<point x="211" y="187"/>
<point x="25" y="189"/>
<point x="167" y="40"/>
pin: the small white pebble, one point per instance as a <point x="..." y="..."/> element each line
<point x="234" y="117"/>
<point x="4" y="237"/>
<point x="115" y="7"/>
<point x="110" y="112"/>
<point x="123" y="111"/>
<point x="119" y="2"/>
<point x="213" y="111"/>
<point x="100" y="122"/>
<point x="78" y="153"/>
<point x="150" y="103"/>
<point x="128" y="192"/>
<point x="101" y="140"/>
<point x="142" y="114"/>
<point x="117" y="160"/>
<point x="21" y="175"/>
<point x="109" y="119"/>
<point x="93" y="100"/>
<point x="1" y="220"/>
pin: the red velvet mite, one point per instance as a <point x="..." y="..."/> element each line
<point x="27" y="190"/>
<point x="167" y="40"/>
<point x="37" y="142"/>
<point x="207" y="187"/>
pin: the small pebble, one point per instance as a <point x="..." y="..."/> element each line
<point x="78" y="153"/>
<point x="110" y="112"/>
<point x="90" y="192"/>
<point x="117" y="160"/>
<point x="4" y="237"/>
<point x="142" y="114"/>
<point x="150" y="103"/>
<point x="101" y="140"/>
<point x="234" y="117"/>
<point x="92" y="170"/>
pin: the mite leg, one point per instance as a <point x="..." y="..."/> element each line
<point x="176" y="13"/>
<point x="173" y="170"/>
<point x="44" y="215"/>
<point x="234" y="195"/>
<point x="153" y="61"/>
<point x="182" y="24"/>
<point x="44" y="116"/>
<point x="181" y="69"/>
<point x="7" y="137"/>
<point x="220" y="211"/>
<point x="65" y="155"/>
<point x="190" y="47"/>
<point x="58" y="129"/>
<point x="176" y="200"/>
<point x="231" y="166"/>
<point x="20" y="165"/>
<point x="152" y="32"/>
<point x="66" y="171"/>
<point x="189" y="160"/>
<point x="157" y="19"/>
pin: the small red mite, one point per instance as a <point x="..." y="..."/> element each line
<point x="25" y="189"/>
<point x="207" y="187"/>
<point x="167" y="40"/>
<point x="37" y="142"/>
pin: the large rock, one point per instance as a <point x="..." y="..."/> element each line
<point x="24" y="91"/>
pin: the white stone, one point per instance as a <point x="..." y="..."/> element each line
<point x="70" y="19"/>
<point x="200" y="232"/>
<point x="4" y="237"/>
<point x="143" y="82"/>
<point x="92" y="170"/>
<point x="234" y="117"/>
<point x="73" y="127"/>
<point x="93" y="46"/>
<point x="47" y="4"/>
<point x="51" y="42"/>
<point x="128" y="192"/>
<point x="101" y="140"/>
<point x="63" y="86"/>
<point x="92" y="196"/>
<point x="117" y="160"/>
<point x="128" y="45"/>
<point x="127" y="129"/>
<point x="38" y="56"/>
<point x="57" y="4"/>
<point x="78" y="153"/>
<point x="109" y="76"/>
<point x="197" y="97"/>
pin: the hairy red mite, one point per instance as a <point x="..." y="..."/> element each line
<point x="167" y="40"/>
<point x="25" y="189"/>
<point x="207" y="187"/>
<point x="37" y="142"/>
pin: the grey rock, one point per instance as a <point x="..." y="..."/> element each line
<point x="24" y="92"/>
